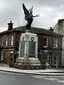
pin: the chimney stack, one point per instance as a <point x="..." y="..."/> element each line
<point x="60" y="20"/>
<point x="51" y="29"/>
<point x="10" y="25"/>
<point x="61" y="23"/>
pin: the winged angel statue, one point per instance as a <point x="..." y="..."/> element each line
<point x="28" y="16"/>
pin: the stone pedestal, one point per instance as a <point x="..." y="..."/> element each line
<point x="28" y="49"/>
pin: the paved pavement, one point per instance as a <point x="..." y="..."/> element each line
<point x="46" y="72"/>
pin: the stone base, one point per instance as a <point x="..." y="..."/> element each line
<point x="30" y="61"/>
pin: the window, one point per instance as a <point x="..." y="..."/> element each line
<point x="55" y="42"/>
<point x="45" y="42"/>
<point x="2" y="41"/>
<point x="2" y="55"/>
<point x="9" y="40"/>
<point x="54" y="59"/>
<point x="12" y="40"/>
<point x="6" y="41"/>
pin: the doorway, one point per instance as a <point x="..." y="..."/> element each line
<point x="5" y="55"/>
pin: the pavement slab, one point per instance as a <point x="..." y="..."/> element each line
<point x="47" y="72"/>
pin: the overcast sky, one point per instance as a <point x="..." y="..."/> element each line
<point x="49" y="10"/>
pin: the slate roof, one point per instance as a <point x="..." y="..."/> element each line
<point x="36" y="30"/>
<point x="33" y="30"/>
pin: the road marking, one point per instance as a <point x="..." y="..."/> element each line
<point x="49" y="78"/>
<point x="56" y="76"/>
<point x="11" y="73"/>
<point x="61" y="81"/>
<point x="52" y="79"/>
<point x="37" y="76"/>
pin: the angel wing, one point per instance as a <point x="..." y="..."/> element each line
<point x="31" y="10"/>
<point x="26" y="12"/>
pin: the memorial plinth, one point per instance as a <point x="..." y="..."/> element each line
<point x="28" y="50"/>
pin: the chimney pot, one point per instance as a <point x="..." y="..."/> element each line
<point x="10" y="25"/>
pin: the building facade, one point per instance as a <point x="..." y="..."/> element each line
<point x="9" y="44"/>
<point x="49" y="45"/>
<point x="59" y="28"/>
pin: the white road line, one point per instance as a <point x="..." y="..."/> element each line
<point x="61" y="81"/>
<point x="10" y="73"/>
<point x="37" y="76"/>
<point x="52" y="79"/>
<point x="48" y="78"/>
<point x="54" y="76"/>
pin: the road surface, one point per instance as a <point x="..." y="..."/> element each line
<point x="27" y="79"/>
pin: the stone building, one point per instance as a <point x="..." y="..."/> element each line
<point x="59" y="28"/>
<point x="9" y="43"/>
<point x="49" y="45"/>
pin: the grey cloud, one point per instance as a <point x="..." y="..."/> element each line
<point x="13" y="11"/>
<point x="44" y="2"/>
